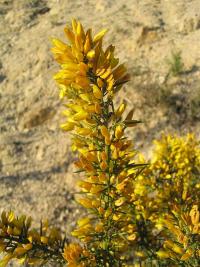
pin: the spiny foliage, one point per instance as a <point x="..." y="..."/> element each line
<point x="138" y="213"/>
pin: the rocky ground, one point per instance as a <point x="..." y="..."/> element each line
<point x="159" y="41"/>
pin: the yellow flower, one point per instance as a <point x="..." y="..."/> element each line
<point x="194" y="214"/>
<point x="83" y="221"/>
<point x="72" y="254"/>
<point x="91" y="54"/>
<point x="132" y="237"/>
<point x="99" y="35"/>
<point x="120" y="201"/>
<point x="120" y="110"/>
<point x="163" y="254"/>
<point x="187" y="255"/>
<point x="82" y="115"/>
<point x="84" y="131"/>
<point x="85" y="202"/>
<point x="118" y="131"/>
<point x="68" y="126"/>
<point x="104" y="131"/>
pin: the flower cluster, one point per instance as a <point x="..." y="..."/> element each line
<point x="177" y="164"/>
<point x="75" y="255"/>
<point x="90" y="77"/>
<point x="172" y="176"/>
<point x="29" y="245"/>
<point x="170" y="180"/>
<point x="183" y="243"/>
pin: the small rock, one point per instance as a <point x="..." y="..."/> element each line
<point x="162" y="79"/>
<point x="190" y="25"/>
<point x="173" y="80"/>
<point x="10" y="16"/>
<point x="40" y="153"/>
<point x="147" y="36"/>
<point x="2" y="77"/>
<point x="38" y="117"/>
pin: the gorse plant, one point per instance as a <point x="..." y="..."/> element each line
<point x="90" y="77"/>
<point x="138" y="213"/>
<point x="182" y="246"/>
<point x="167" y="196"/>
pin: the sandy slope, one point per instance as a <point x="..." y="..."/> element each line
<point x="35" y="159"/>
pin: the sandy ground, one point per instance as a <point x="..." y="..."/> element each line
<point x="36" y="165"/>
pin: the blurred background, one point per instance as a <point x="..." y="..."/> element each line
<point x="159" y="41"/>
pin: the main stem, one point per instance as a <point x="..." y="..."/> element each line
<point x="104" y="119"/>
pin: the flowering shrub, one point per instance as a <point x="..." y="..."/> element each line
<point x="138" y="213"/>
<point x="167" y="193"/>
<point x="183" y="243"/>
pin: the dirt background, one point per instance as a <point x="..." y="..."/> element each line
<point x="36" y="164"/>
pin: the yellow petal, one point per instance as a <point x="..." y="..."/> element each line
<point x="108" y="212"/>
<point x="62" y="46"/>
<point x="44" y="239"/>
<point x="11" y="216"/>
<point x="118" y="131"/>
<point x="16" y="231"/>
<point x="85" y="202"/>
<point x="97" y="108"/>
<point x="87" y="45"/>
<point x="120" y="110"/>
<point x="84" y="131"/>
<point x="82" y="115"/>
<point x="163" y="254"/>
<point x="106" y="73"/>
<point x="28" y="246"/>
<point x="82" y="81"/>
<point x="99" y="35"/>
<point x="70" y="35"/>
<point x="103" y="165"/>
<point x="104" y="131"/>
<point x="132" y="237"/>
<point x="91" y="54"/>
<point x="71" y="66"/>
<point x="186" y="256"/>
<point x="68" y="126"/>
<point x="85" y="97"/>
<point x="78" y="42"/>
<point x="19" y="251"/>
<point x="84" y="185"/>
<point x="177" y="249"/>
<point x="90" y="108"/>
<point x="107" y="140"/>
<point x="74" y="25"/>
<point x="83" y="221"/>
<point x="120" y="201"/>
<point x="116" y="217"/>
